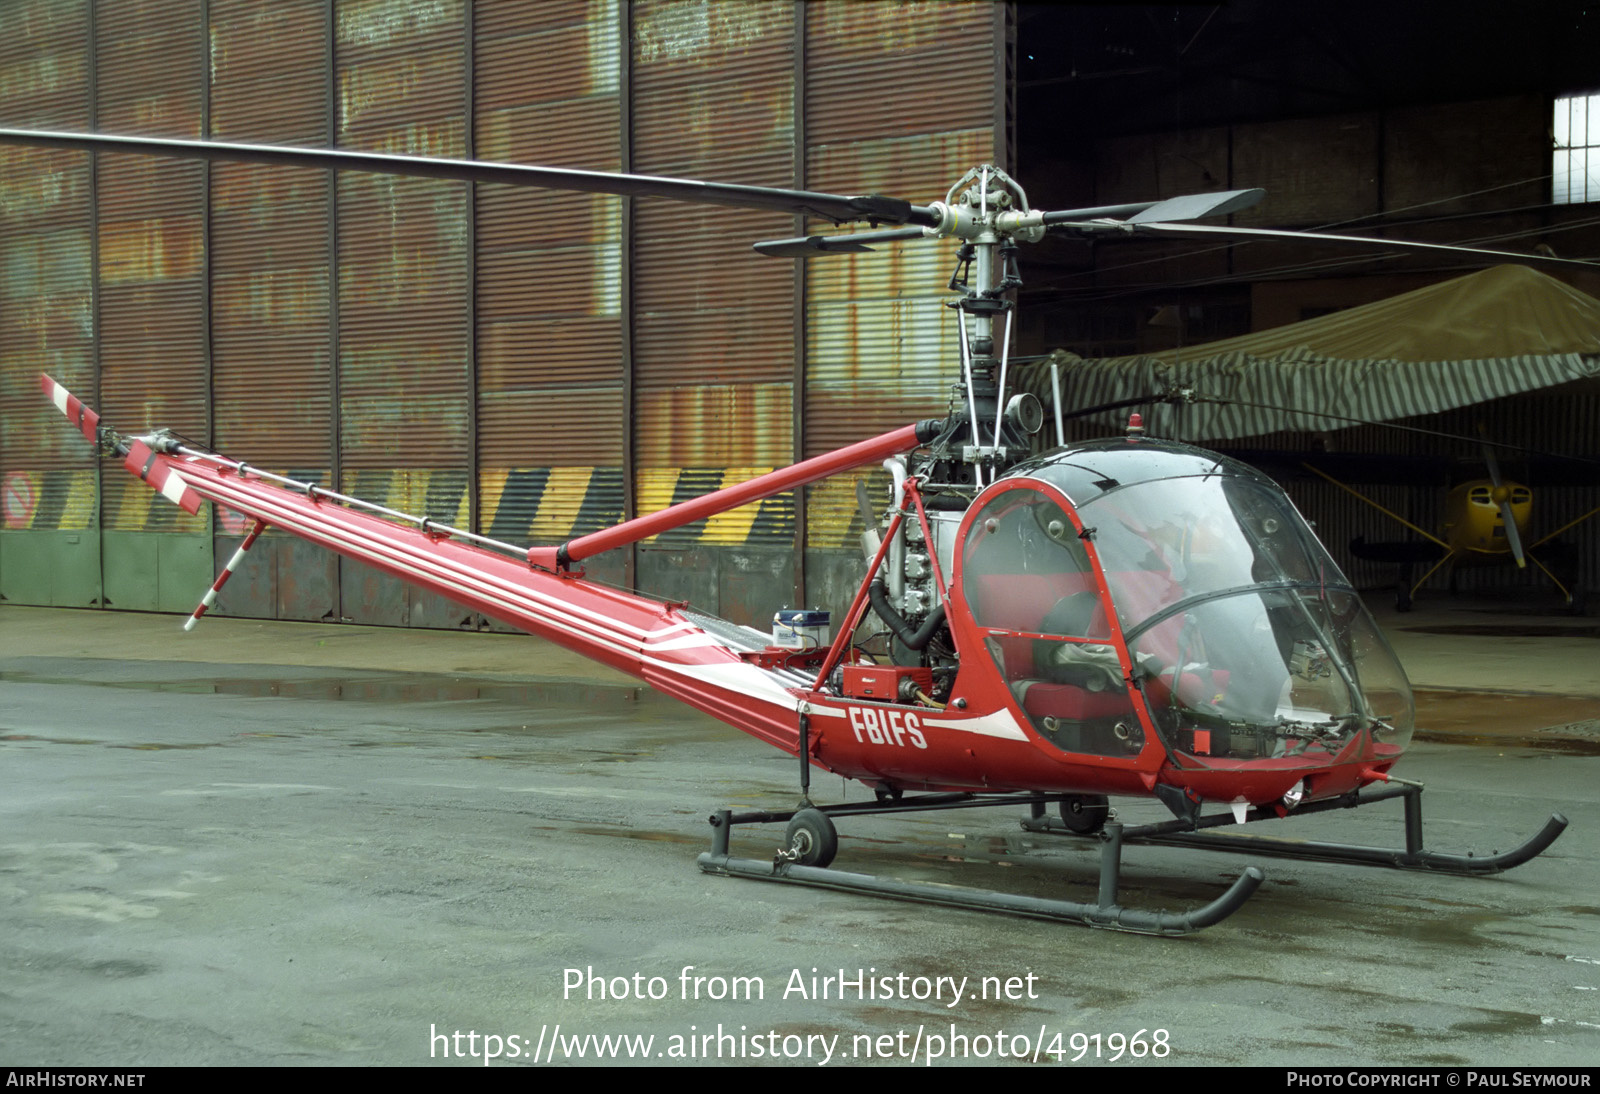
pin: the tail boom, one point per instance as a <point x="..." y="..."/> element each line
<point x="644" y="638"/>
<point x="656" y="642"/>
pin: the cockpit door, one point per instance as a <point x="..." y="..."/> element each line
<point x="1044" y="617"/>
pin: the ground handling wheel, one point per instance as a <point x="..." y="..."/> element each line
<point x="811" y="839"/>
<point x="1085" y="814"/>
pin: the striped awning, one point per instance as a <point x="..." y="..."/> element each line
<point x="1492" y="334"/>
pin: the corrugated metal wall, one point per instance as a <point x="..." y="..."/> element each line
<point x="531" y="365"/>
<point x="404" y="255"/>
<point x="151" y="224"/>
<point x="881" y="348"/>
<point x="272" y="276"/>
<point x="550" y="340"/>
<point x="714" y="349"/>
<point x="47" y="479"/>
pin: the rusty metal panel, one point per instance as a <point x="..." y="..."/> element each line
<point x="403" y="243"/>
<point x="150" y="76"/>
<point x="550" y="339"/>
<point x="714" y="346"/>
<point x="725" y="425"/>
<point x="46" y="270"/>
<point x="404" y="280"/>
<point x="881" y="350"/>
<point x="271" y="339"/>
<point x="707" y="308"/>
<point x="713" y="97"/>
<point x="887" y="70"/>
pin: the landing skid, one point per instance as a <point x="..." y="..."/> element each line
<point x="1186" y="833"/>
<point x="812" y="827"/>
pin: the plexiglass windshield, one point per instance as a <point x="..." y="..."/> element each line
<point x="1243" y="636"/>
<point x="1251" y="640"/>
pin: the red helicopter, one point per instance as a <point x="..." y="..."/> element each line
<point x="1125" y="616"/>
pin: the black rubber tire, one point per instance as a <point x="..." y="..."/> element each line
<point x="819" y="840"/>
<point x="1085" y="814"/>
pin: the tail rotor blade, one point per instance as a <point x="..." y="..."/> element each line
<point x="140" y="460"/>
<point x="144" y="461"/>
<point x="87" y="421"/>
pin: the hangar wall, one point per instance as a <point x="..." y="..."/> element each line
<point x="527" y="365"/>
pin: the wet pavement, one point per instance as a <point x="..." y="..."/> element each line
<point x="277" y="844"/>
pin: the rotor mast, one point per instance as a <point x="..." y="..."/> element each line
<point x="988" y="211"/>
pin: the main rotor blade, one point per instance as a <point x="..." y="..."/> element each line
<point x="1206" y="231"/>
<point x="1196" y="206"/>
<point x="1186" y="207"/>
<point x="852" y="243"/>
<point x="839" y="208"/>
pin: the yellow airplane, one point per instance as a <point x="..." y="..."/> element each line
<point x="1485" y="520"/>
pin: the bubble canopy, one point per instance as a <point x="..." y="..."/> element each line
<point x="1125" y="586"/>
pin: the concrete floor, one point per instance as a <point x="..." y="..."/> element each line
<point x="286" y="843"/>
<point x="1560" y="660"/>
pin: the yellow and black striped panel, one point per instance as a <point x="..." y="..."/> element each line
<point x="437" y="493"/>
<point x="130" y="505"/>
<point x="47" y="501"/>
<point x="554" y="504"/>
<point x="548" y="504"/>
<point x="519" y="505"/>
<point x="833" y="517"/>
<point x="765" y="523"/>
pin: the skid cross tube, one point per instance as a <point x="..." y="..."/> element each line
<point x="1415" y="856"/>
<point x="1105" y="913"/>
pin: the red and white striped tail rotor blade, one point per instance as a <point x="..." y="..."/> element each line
<point x="145" y="462"/>
<point x="87" y="421"/>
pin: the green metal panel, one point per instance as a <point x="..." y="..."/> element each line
<point x="156" y="572"/>
<point x="24" y="568"/>
<point x="183" y="571"/>
<point x="129" y="569"/>
<point x="60" y="569"/>
<point x="75" y="569"/>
